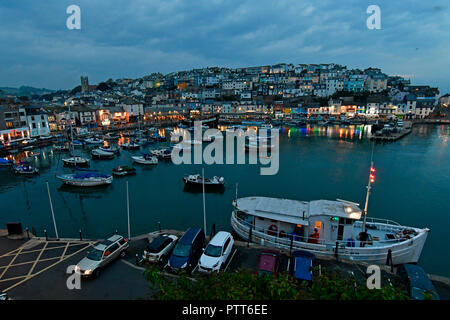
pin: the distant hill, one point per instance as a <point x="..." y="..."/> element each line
<point x="24" y="91"/>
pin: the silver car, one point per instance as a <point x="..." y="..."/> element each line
<point x="101" y="255"/>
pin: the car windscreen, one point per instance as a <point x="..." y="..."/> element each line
<point x="182" y="250"/>
<point x="213" y="251"/>
<point x="95" y="255"/>
<point x="158" y="244"/>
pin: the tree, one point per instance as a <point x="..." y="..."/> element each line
<point x="246" y="285"/>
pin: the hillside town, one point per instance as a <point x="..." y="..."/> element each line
<point x="281" y="92"/>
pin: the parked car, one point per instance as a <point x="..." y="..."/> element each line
<point x="300" y="265"/>
<point x="3" y="296"/>
<point x="187" y="251"/>
<point x="101" y="255"/>
<point x="160" y="247"/>
<point x="269" y="262"/>
<point x="416" y="282"/>
<point x="216" y="253"/>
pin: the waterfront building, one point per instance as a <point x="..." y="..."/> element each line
<point x="37" y="122"/>
<point x="13" y="124"/>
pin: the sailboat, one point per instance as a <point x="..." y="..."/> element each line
<point x="74" y="161"/>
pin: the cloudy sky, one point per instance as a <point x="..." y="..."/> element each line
<point x="132" y="38"/>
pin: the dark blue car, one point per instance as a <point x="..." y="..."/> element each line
<point x="301" y="264"/>
<point x="187" y="251"/>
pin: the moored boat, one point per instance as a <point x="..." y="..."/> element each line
<point x="130" y="145"/>
<point x="102" y="154"/>
<point x="76" y="161"/>
<point x="108" y="148"/>
<point x="25" y="169"/>
<point x="196" y="180"/>
<point x="88" y="179"/>
<point x="93" y="141"/>
<point x="123" y="171"/>
<point x="145" y="159"/>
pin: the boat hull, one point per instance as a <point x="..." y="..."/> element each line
<point x="86" y="182"/>
<point x="402" y="252"/>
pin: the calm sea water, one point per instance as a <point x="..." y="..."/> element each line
<point x="412" y="187"/>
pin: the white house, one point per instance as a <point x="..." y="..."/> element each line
<point x="37" y="122"/>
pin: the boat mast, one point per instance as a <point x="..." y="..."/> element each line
<point x="71" y="134"/>
<point x="369" y="187"/>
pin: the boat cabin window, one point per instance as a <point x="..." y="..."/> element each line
<point x="345" y="221"/>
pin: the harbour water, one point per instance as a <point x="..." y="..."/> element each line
<point x="412" y="187"/>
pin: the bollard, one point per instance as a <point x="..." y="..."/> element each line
<point x="45" y="233"/>
<point x="137" y="259"/>
<point x="336" y="251"/>
<point x="116" y="231"/>
<point x="290" y="246"/>
<point x="389" y="260"/>
<point x="28" y="233"/>
<point x="81" y="238"/>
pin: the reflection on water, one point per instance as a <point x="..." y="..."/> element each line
<point x="316" y="162"/>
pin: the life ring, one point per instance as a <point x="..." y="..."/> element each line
<point x="282" y="234"/>
<point x="273" y="229"/>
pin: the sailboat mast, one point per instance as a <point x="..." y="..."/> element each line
<point x="71" y="133"/>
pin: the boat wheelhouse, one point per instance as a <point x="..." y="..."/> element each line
<point x="326" y="228"/>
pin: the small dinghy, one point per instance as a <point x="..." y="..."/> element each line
<point x="101" y="154"/>
<point x="76" y="162"/>
<point x="25" y="169"/>
<point x="88" y="179"/>
<point x="130" y="146"/>
<point x="196" y="180"/>
<point x="123" y="171"/>
<point x="145" y="159"/>
<point x="93" y="141"/>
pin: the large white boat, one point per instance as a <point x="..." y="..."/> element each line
<point x="145" y="159"/>
<point x="326" y="228"/>
<point x="76" y="161"/>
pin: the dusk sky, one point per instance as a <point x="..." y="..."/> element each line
<point x="132" y="38"/>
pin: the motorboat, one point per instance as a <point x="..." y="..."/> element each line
<point x="76" y="161"/>
<point x="128" y="134"/>
<point x="196" y="180"/>
<point x="123" y="171"/>
<point x="93" y="141"/>
<point x="145" y="159"/>
<point x="77" y="143"/>
<point x="25" y="169"/>
<point x="111" y="136"/>
<point x="165" y="153"/>
<point x="47" y="137"/>
<point x="86" y="179"/>
<point x="108" y="148"/>
<point x="102" y="154"/>
<point x="130" y="145"/>
<point x="29" y="141"/>
<point x="326" y="228"/>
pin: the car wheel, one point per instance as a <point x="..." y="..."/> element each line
<point x="123" y="253"/>
<point x="97" y="273"/>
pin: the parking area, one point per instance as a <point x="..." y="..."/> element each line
<point x="37" y="269"/>
<point x="33" y="258"/>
